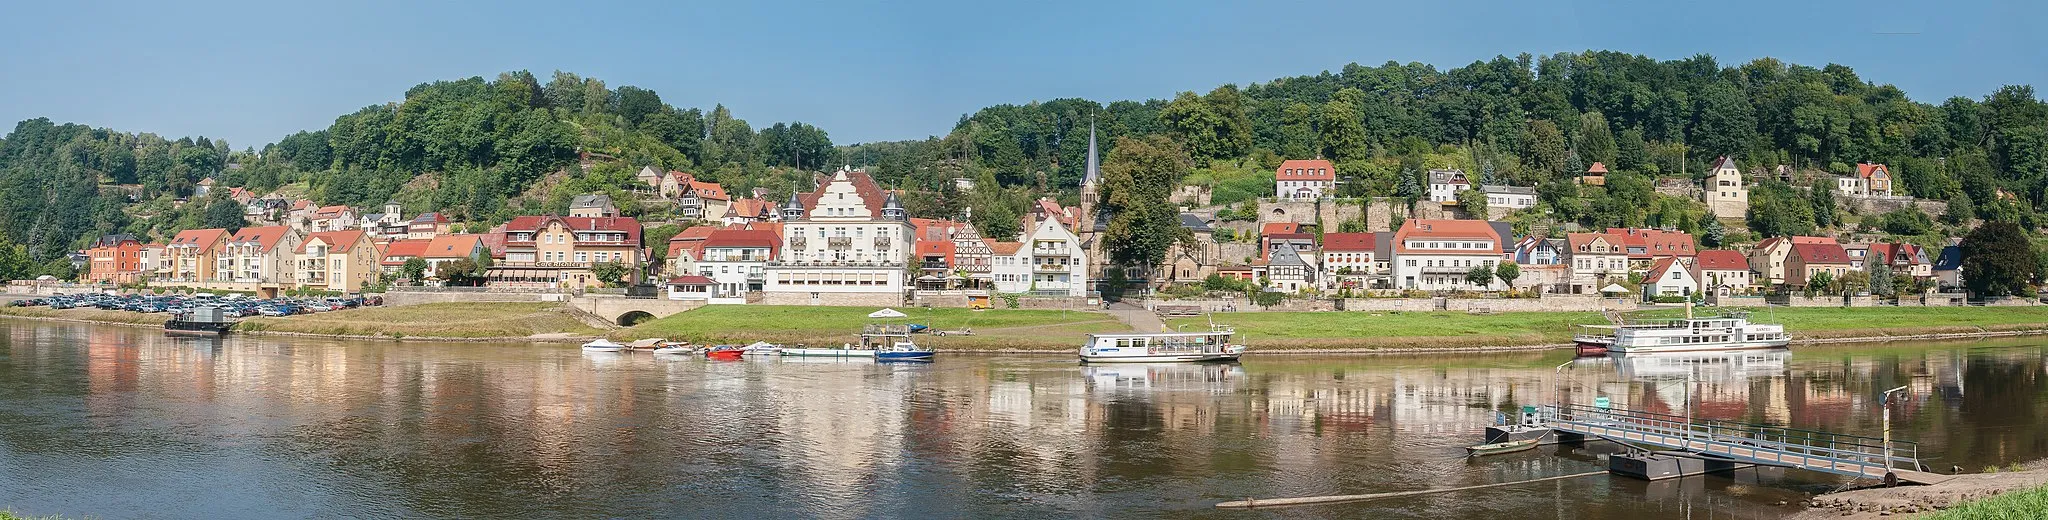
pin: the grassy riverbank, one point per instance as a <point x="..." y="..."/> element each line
<point x="1365" y="330"/>
<point x="91" y="315"/>
<point x="993" y="329"/>
<point x="437" y="320"/>
<point x="2012" y="504"/>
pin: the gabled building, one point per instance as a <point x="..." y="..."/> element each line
<point x="1535" y="250"/>
<point x="1869" y="179"/>
<point x="846" y="243"/>
<point x="1436" y="254"/>
<point x="1049" y="261"/>
<point x="426" y="226"/>
<point x="1510" y="197"/>
<point x="1351" y="260"/>
<point x="192" y="253"/>
<point x="1669" y="276"/>
<point x="1725" y="195"/>
<point x="392" y="258"/>
<point x="1596" y="175"/>
<point x="1900" y="258"/>
<point x="1304" y="179"/>
<point x="1948" y="269"/>
<point x="748" y="211"/>
<point x="449" y="248"/>
<point x="735" y="261"/>
<point x="332" y="218"/>
<point x="156" y="262"/>
<point x="651" y="176"/>
<point x="1444" y="185"/>
<point x="342" y="261"/>
<point x="1597" y="259"/>
<point x="1287" y="271"/>
<point x="1808" y="260"/>
<point x="1645" y="245"/>
<point x="593" y="205"/>
<point x="259" y="255"/>
<point x="703" y="201"/>
<point x="115" y="258"/>
<point x="953" y="255"/>
<point x="1769" y="258"/>
<point x="561" y="252"/>
<point x="1723" y="272"/>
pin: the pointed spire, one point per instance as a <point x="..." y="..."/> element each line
<point x="1094" y="163"/>
<point x="891" y="208"/>
<point x="794" y="209"/>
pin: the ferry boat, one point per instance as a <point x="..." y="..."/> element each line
<point x="1163" y="347"/>
<point x="883" y="341"/>
<point x="1731" y="331"/>
<point x="201" y="321"/>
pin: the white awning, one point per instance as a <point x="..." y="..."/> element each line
<point x="1614" y="288"/>
<point x="888" y="313"/>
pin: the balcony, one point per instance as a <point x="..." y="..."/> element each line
<point x="882" y="243"/>
<point x="1050" y="268"/>
<point x="797" y="241"/>
<point x="839" y="243"/>
<point x="1446" y="270"/>
<point x="939" y="265"/>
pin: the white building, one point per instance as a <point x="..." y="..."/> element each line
<point x="1351" y="259"/>
<point x="261" y="255"/>
<point x="1723" y="272"/>
<point x="1725" y="194"/>
<point x="735" y="261"/>
<point x="1049" y="261"/>
<point x="1669" y="276"/>
<point x="1444" y="185"/>
<point x="1287" y="271"/>
<point x="1304" y="179"/>
<point x="1435" y="254"/>
<point x="847" y="243"/>
<point x="1510" y="197"/>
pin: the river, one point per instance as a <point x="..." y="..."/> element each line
<point x="122" y="422"/>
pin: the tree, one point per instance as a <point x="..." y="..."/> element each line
<point x="611" y="272"/>
<point x="1343" y="137"/>
<point x="655" y="239"/>
<point x="1631" y="151"/>
<point x="1881" y="279"/>
<point x="1474" y="202"/>
<point x="1479" y="275"/>
<point x="1820" y="283"/>
<point x="1712" y="233"/>
<point x="1543" y="150"/>
<point x="414" y="270"/>
<point x="461" y="272"/>
<point x="1906" y="221"/>
<point x="1595" y="140"/>
<point x="1998" y="260"/>
<point x="223" y="213"/>
<point x="1823" y="206"/>
<point x="1137" y="178"/>
<point x="1212" y="127"/>
<point x="1507" y="272"/>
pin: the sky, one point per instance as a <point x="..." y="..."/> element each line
<point x="255" y="71"/>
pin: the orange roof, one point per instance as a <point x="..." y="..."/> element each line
<point x="1653" y="242"/>
<point x="301" y="204"/>
<point x="1722" y="260"/>
<point x="397" y="251"/>
<point x="1004" y="248"/>
<point x="1597" y="168"/>
<point x="453" y="246"/>
<point x="1865" y="170"/>
<point x="1657" y="269"/>
<point x="863" y="186"/>
<point x="201" y="238"/>
<point x="628" y="225"/>
<point x="750" y="208"/>
<point x="1306" y="170"/>
<point x="709" y="190"/>
<point x="331" y="210"/>
<point x="332" y="239"/>
<point x="265" y="237"/>
<point x="1276" y="228"/>
<point x="1347" y="242"/>
<point x="1445" y="229"/>
<point x="1576" y="241"/>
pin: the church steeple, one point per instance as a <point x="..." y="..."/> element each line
<point x="794" y="210"/>
<point x="1094" y="171"/>
<point x="892" y="209"/>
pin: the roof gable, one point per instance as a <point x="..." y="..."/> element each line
<point x="1305" y="170"/>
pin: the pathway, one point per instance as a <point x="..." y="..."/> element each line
<point x="1138" y="317"/>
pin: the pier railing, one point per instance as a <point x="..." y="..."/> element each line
<point x="1836" y="453"/>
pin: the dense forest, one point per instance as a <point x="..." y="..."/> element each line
<point x="485" y="150"/>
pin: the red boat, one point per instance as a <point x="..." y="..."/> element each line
<point x="725" y="353"/>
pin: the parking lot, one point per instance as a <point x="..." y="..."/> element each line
<point x="237" y="306"/>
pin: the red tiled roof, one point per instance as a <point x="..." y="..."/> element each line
<point x="398" y="250"/>
<point x="690" y="280"/>
<point x="1274" y="228"/>
<point x="333" y="239"/>
<point x="301" y="204"/>
<point x="750" y="208"/>
<point x="864" y="186"/>
<point x="1884" y="252"/>
<point x="330" y="210"/>
<point x="1658" y="268"/>
<point x="1722" y="260"/>
<point x="1445" y="229"/>
<point x="1575" y="240"/>
<point x="1003" y="248"/>
<point x="1654" y="242"/>
<point x="629" y="225"/>
<point x="1052" y="208"/>
<point x="265" y="237"/>
<point x="1597" y="168"/>
<point x="1821" y="253"/>
<point x="453" y="246"/>
<point x="203" y="238"/>
<point x="1347" y="242"/>
<point x="708" y="190"/>
<point x="1306" y="170"/>
<point x="1865" y="170"/>
<point x="743" y="238"/>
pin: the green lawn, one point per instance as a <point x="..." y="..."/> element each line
<point x="445" y="320"/>
<point x="1457" y="329"/>
<point x="2013" y="505"/>
<point x="1002" y="328"/>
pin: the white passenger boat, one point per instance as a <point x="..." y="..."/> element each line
<point x="885" y="341"/>
<point x="1163" y="347"/>
<point x="1731" y="331"/>
<point x="602" y="345"/>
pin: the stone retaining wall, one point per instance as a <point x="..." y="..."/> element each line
<point x="398" y="298"/>
<point x="834" y="299"/>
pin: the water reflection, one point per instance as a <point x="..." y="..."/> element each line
<point x="249" y="427"/>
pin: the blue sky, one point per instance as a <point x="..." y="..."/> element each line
<point x="253" y="72"/>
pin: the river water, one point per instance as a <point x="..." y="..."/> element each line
<point x="117" y="422"/>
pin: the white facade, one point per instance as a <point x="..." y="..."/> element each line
<point x="1725" y="195"/>
<point x="734" y="271"/>
<point x="1444" y="185"/>
<point x="1851" y="186"/>
<point x="1048" y="261"/>
<point x="847" y="240"/>
<point x="1670" y="277"/>
<point x="1510" y="197"/>
<point x="1727" y="281"/>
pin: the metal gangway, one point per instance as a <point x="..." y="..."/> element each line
<point x="1839" y="454"/>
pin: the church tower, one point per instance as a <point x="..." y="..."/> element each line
<point x="1085" y="222"/>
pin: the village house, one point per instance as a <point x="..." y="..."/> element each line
<point x="1948" y="269"/>
<point x="748" y="211"/>
<point x="1722" y="272"/>
<point x="561" y="252"/>
<point x="1900" y="258"/>
<point x="1669" y="276"/>
<point x="592" y="206"/>
<point x="1304" y="179"/>
<point x="1436" y="254"/>
<point x="1185" y="263"/>
<point x="1509" y="197"/>
<point x="1810" y="259"/>
<point x="1536" y="250"/>
<point x="258" y="255"/>
<point x="1869" y="180"/>
<point x="673" y="184"/>
<point x="394" y="254"/>
<point x="1287" y="271"/>
<point x="952" y="255"/>
<point x="703" y="201"/>
<point x="734" y="262"/>
<point x="332" y="218"/>
<point x="1444" y="185"/>
<point x="204" y="187"/>
<point x="156" y="262"/>
<point x="1597" y="259"/>
<point x="116" y="259"/>
<point x="651" y="176"/>
<point x="1596" y="175"/>
<point x="1856" y="253"/>
<point x="847" y="243"/>
<point x="343" y="261"/>
<point x="1725" y="195"/>
<point x="1350" y="260"/>
<point x="684" y="248"/>
<point x="390" y="223"/>
<point x="1768" y="258"/>
<point x="448" y="248"/>
<point x="426" y="226"/>
<point x="695" y="288"/>
<point x="1645" y="245"/>
<point x="192" y="253"/>
<point x="1049" y="261"/>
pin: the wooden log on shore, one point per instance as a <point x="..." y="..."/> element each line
<point x="1299" y="501"/>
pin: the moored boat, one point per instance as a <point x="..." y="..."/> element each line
<point x="200" y="321"/>
<point x="1500" y="447"/>
<point x="602" y="345"/>
<point x="724" y="353"/>
<point x="876" y="341"/>
<point x="675" y="348"/>
<point x="1164" y="347"/>
<point x="762" y="348"/>
<point x="1731" y="331"/>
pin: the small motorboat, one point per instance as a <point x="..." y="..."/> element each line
<point x="762" y="348"/>
<point x="646" y="344"/>
<point x="1500" y="447"/>
<point x="602" y="345"/>
<point x="903" y="351"/>
<point x="725" y="353"/>
<point x="675" y="348"/>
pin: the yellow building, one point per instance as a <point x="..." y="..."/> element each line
<point x="337" y="261"/>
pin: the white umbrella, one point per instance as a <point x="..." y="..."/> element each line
<point x="1614" y="288"/>
<point x="888" y="313"/>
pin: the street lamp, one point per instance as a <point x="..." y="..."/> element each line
<point x="1884" y="400"/>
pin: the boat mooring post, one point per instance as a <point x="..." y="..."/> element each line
<point x="1884" y="400"/>
<point x="1556" y="394"/>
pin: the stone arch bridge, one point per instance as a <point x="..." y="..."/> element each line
<point x="624" y="310"/>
